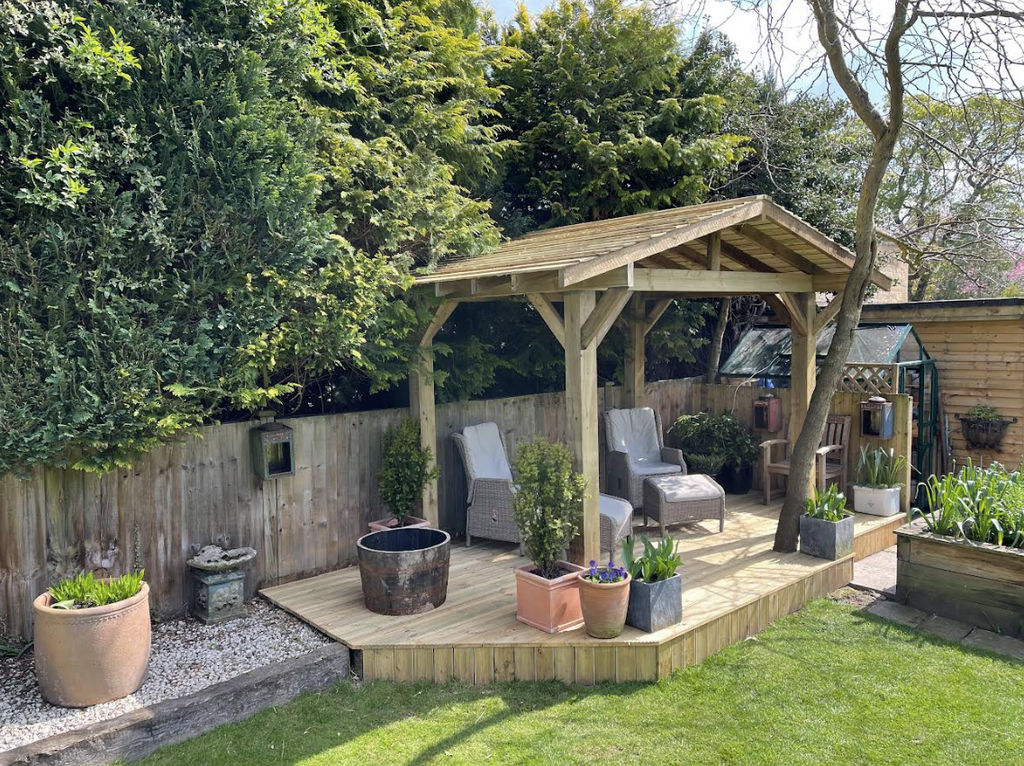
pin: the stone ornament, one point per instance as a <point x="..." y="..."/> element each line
<point x="213" y="558"/>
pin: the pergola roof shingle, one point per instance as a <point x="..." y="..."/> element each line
<point x="756" y="236"/>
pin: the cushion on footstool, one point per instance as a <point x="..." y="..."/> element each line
<point x="679" y="499"/>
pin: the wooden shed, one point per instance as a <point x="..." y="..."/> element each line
<point x="978" y="348"/>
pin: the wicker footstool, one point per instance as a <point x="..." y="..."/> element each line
<point x="679" y="499"/>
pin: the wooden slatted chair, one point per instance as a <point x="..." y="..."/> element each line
<point x="831" y="458"/>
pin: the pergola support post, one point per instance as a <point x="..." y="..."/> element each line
<point x="581" y="419"/>
<point x="633" y="380"/>
<point x="421" y="404"/>
<point x="804" y="365"/>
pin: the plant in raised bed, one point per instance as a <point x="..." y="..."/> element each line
<point x="548" y="505"/>
<point x="656" y="594"/>
<point x="92" y="639"/>
<point x="983" y="426"/>
<point x="826" y="529"/>
<point x="405" y="472"/>
<point x="881" y="481"/>
<point x="604" y="598"/>
<point x="963" y="558"/>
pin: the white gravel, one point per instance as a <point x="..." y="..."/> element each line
<point x="187" y="656"/>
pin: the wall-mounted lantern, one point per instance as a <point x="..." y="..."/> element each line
<point x="273" y="455"/>
<point x="876" y="418"/>
<point x="768" y="414"/>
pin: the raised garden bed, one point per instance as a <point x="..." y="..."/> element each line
<point x="976" y="583"/>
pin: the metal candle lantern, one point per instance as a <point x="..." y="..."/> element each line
<point x="768" y="414"/>
<point x="876" y="418"/>
<point x="272" y="453"/>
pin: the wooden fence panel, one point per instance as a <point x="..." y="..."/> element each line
<point x="203" y="490"/>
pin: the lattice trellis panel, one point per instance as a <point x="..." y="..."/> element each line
<point x="871" y="378"/>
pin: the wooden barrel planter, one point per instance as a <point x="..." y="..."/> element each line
<point x="404" y="571"/>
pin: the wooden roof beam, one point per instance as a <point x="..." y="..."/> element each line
<point x="549" y="314"/>
<point x="720" y="282"/>
<point x="656" y="313"/>
<point x="830" y="312"/>
<point x="604" y="315"/>
<point x="440" y="317"/>
<point x="796" y="317"/>
<point x="779" y="250"/>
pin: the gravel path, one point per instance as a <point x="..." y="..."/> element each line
<point x="187" y="656"/>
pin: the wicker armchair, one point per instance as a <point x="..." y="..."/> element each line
<point x="489" y="512"/>
<point x="636" y="450"/>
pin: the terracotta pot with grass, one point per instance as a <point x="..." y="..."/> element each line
<point x="87" y="654"/>
<point x="548" y="504"/>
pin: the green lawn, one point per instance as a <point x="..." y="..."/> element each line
<point x="827" y="685"/>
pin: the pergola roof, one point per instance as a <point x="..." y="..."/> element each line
<point x="756" y="236"/>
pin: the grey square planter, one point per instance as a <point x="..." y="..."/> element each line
<point x="653" y="606"/>
<point x="826" y="539"/>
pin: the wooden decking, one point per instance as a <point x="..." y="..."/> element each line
<point x="734" y="585"/>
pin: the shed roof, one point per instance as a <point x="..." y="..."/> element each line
<point x="757" y="236"/>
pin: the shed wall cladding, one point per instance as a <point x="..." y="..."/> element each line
<point x="980" y="358"/>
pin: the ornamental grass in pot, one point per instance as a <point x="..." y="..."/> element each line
<point x="604" y="598"/>
<point x="826" y="529"/>
<point x="92" y="639"/>
<point x="878" y="490"/>
<point x="548" y="505"/>
<point x="656" y="592"/>
<point x="405" y="472"/>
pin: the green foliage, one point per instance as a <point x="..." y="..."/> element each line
<point x="406" y="468"/>
<point x="548" y="501"/>
<point x="984" y="505"/>
<point x="880" y="468"/>
<point x="723" y="436"/>
<point x="161" y="248"/>
<point x="84" y="590"/>
<point x="607" y="116"/>
<point x="710" y="464"/>
<point x="828" y="505"/>
<point x="983" y="413"/>
<point x="658" y="562"/>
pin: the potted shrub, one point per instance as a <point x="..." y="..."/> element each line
<point x="604" y="598"/>
<point x="719" y="446"/>
<point x="405" y="472"/>
<point x="656" y="593"/>
<point x="878" y="491"/>
<point x="983" y="427"/>
<point x="826" y="529"/>
<point x="548" y="505"/>
<point x="92" y="639"/>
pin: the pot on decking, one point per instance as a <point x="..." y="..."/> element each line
<point x="832" y="540"/>
<point x="876" y="501"/>
<point x="549" y="605"/>
<point x="93" y="655"/>
<point x="655" y="605"/>
<point x="604" y="606"/>
<point x="404" y="570"/>
<point x="383" y="525"/>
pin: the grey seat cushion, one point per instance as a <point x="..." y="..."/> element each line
<point x="654" y="468"/>
<point x="680" y="488"/>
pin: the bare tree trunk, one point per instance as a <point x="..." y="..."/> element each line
<point x="885" y="134"/>
<point x="715" y="355"/>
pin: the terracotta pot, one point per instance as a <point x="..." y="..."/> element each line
<point x="383" y="525"/>
<point x="604" y="606"/>
<point x="88" y="656"/>
<point x="548" y="605"/>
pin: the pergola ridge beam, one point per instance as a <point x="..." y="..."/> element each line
<point x="716" y="222"/>
<point x="549" y="314"/>
<point x="603" y="316"/>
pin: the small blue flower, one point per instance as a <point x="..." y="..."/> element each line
<point x="593" y="563"/>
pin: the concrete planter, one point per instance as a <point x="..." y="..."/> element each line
<point x="548" y="605"/>
<point x="220" y="596"/>
<point x="832" y="540"/>
<point x="656" y="605"/>
<point x="88" y="656"/>
<point x="876" y="501"/>
<point x="977" y="583"/>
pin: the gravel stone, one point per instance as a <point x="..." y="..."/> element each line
<point x="187" y="656"/>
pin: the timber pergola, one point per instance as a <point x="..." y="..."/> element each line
<point x="630" y="269"/>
